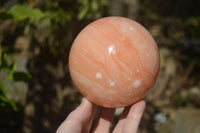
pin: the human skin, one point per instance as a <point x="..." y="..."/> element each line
<point x="81" y="119"/>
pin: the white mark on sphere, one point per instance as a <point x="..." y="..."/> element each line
<point x="123" y="38"/>
<point x="111" y="50"/>
<point x="131" y="28"/>
<point x="98" y="75"/>
<point x="138" y="70"/>
<point x="112" y="83"/>
<point x="148" y="55"/>
<point x="136" y="84"/>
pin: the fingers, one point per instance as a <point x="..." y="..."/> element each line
<point x="79" y="120"/>
<point x="134" y="116"/>
<point x="104" y="121"/>
<point x="121" y="122"/>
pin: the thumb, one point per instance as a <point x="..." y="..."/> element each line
<point x="79" y="120"/>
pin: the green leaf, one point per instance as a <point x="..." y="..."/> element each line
<point x="21" y="76"/>
<point x="35" y="15"/>
<point x="0" y="56"/>
<point x="194" y="21"/>
<point x="7" y="104"/>
<point x="4" y="63"/>
<point x="60" y="16"/>
<point x="0" y="50"/>
<point x="13" y="66"/>
<point x="20" y="12"/>
<point x="3" y="89"/>
<point x="10" y="76"/>
<point x="84" y="8"/>
<point x="83" y="13"/>
<point x="11" y="70"/>
<point x="94" y="5"/>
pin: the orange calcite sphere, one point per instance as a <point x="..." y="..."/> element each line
<point x="114" y="62"/>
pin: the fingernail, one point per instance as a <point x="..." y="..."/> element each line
<point x="84" y="101"/>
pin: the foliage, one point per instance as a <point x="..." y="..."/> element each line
<point x="177" y="25"/>
<point x="31" y="17"/>
<point x="20" y="13"/>
<point x="90" y="8"/>
<point x="52" y="20"/>
<point x="192" y="26"/>
<point x="7" y="67"/>
<point x="35" y="15"/>
<point x="87" y="9"/>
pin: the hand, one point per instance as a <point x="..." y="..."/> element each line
<point x="80" y="120"/>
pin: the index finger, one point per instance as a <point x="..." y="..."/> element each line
<point x="134" y="116"/>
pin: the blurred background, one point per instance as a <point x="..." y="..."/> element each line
<point x="36" y="91"/>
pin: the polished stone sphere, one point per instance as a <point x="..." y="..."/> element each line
<point x="114" y="62"/>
